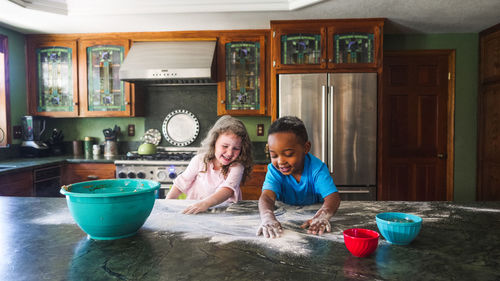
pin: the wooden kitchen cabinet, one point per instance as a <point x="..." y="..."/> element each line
<point x="52" y="78"/>
<point x="253" y="186"/>
<point x="101" y="91"/>
<point x="73" y="77"/>
<point x="298" y="45"/>
<point x="17" y="183"/>
<point x="327" y="44"/>
<point x="78" y="172"/>
<point x="243" y="63"/>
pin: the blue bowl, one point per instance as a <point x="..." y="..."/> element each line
<point x="399" y="228"/>
<point x="111" y="209"/>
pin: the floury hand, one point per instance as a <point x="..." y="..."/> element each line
<point x="269" y="227"/>
<point x="319" y="223"/>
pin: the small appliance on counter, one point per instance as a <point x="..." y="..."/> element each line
<point x="110" y="144"/>
<point x="32" y="146"/>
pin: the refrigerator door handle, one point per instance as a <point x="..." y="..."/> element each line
<point x="330" y="132"/>
<point x="324" y="111"/>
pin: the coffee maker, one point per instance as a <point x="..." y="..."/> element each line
<point x="32" y="146"/>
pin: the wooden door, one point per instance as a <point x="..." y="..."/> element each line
<point x="417" y="126"/>
<point x="488" y="168"/>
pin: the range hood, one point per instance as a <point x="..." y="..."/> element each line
<point x="170" y="63"/>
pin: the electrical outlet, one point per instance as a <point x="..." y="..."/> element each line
<point x="260" y="130"/>
<point x="18" y="132"/>
<point x="131" y="130"/>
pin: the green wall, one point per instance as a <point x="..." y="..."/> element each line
<point x="78" y="128"/>
<point x="466" y="91"/>
<point x="17" y="74"/>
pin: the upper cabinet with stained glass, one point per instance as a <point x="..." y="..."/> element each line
<point x="52" y="87"/>
<point x="77" y="78"/>
<point x="357" y="44"/>
<point x="102" y="92"/>
<point x="327" y="44"/>
<point x="298" y="46"/>
<point x="243" y="89"/>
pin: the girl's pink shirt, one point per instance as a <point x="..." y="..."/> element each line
<point x="198" y="184"/>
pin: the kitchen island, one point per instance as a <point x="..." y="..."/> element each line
<point x="40" y="241"/>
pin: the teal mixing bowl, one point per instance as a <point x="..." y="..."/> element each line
<point x="111" y="209"/>
<point x="399" y="228"/>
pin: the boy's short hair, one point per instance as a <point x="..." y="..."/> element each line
<point x="289" y="124"/>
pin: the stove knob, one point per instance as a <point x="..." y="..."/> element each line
<point x="131" y="175"/>
<point x="122" y="175"/>
<point x="172" y="175"/>
<point x="141" y="175"/>
<point x="161" y="175"/>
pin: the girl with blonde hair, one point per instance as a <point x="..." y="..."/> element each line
<point x="214" y="175"/>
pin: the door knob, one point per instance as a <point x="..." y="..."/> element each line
<point x="441" y="155"/>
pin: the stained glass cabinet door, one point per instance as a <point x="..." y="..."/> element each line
<point x="298" y="46"/>
<point x="242" y="92"/>
<point x="102" y="92"/>
<point x="355" y="46"/>
<point x="53" y="91"/>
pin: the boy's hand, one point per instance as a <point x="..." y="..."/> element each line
<point x="319" y="223"/>
<point x="270" y="227"/>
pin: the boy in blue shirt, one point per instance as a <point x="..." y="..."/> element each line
<point x="295" y="177"/>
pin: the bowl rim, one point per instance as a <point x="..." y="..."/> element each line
<point x="345" y="232"/>
<point x="154" y="185"/>
<point x="416" y="219"/>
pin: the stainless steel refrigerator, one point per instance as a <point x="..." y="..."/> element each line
<point x="340" y="113"/>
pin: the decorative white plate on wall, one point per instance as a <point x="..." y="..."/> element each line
<point x="180" y="127"/>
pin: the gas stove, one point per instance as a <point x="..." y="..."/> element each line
<point x="163" y="166"/>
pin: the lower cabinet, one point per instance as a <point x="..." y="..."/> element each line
<point x="73" y="173"/>
<point x="17" y="184"/>
<point x="252" y="188"/>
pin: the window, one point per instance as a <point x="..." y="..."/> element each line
<point x="5" y="137"/>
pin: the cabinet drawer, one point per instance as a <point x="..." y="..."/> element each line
<point x="85" y="172"/>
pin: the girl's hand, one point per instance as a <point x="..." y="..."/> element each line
<point x="319" y="223"/>
<point x="196" y="208"/>
<point x="270" y="227"/>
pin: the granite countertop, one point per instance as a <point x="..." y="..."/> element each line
<point x="40" y="241"/>
<point x="19" y="164"/>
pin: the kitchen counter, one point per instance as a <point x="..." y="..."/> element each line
<point x="40" y="241"/>
<point x="19" y="164"/>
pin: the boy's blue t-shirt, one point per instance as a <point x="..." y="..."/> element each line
<point x="315" y="183"/>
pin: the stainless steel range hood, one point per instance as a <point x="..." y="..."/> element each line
<point x="170" y="63"/>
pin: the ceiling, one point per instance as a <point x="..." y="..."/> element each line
<point x="97" y="16"/>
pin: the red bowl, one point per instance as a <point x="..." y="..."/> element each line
<point x="361" y="242"/>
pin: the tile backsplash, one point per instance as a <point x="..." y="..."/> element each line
<point x="201" y="100"/>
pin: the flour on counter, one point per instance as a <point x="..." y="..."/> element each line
<point x="474" y="209"/>
<point x="54" y="218"/>
<point x="225" y="227"/>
